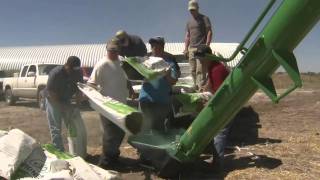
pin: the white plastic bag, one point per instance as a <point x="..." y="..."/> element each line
<point x="2" y="133"/>
<point x="77" y="139"/>
<point x="60" y="175"/>
<point x="15" y="147"/>
<point x="156" y="63"/>
<point x="106" y="174"/>
<point x="82" y="170"/>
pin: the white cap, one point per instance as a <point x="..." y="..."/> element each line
<point x="193" y="5"/>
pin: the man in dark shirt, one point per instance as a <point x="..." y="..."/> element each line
<point x="130" y="45"/>
<point x="61" y="86"/>
<point x="198" y="32"/>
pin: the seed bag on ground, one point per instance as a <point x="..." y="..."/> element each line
<point x="15" y="147"/>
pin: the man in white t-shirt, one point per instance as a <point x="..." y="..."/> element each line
<point x="109" y="77"/>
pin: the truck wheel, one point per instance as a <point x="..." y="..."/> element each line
<point x="41" y="102"/>
<point x="9" y="98"/>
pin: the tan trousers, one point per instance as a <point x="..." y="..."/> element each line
<point x="199" y="74"/>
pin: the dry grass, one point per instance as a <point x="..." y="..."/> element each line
<point x="294" y="121"/>
<point x="283" y="81"/>
<point x="282" y="143"/>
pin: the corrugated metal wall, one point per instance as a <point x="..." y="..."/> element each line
<point x="12" y="58"/>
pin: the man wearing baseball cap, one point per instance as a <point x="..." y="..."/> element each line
<point x="61" y="86"/>
<point x="198" y="32"/>
<point x="108" y="75"/>
<point x="130" y="45"/>
<point x="155" y="96"/>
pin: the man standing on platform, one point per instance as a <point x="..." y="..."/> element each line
<point x="198" y="32"/>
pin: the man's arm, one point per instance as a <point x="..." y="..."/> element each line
<point x="209" y="31"/>
<point x="209" y="37"/>
<point x="144" y="48"/>
<point x="172" y="74"/>
<point x="94" y="78"/>
<point x="52" y="85"/>
<point x="139" y="47"/>
<point x="79" y="95"/>
<point x="169" y="77"/>
<point x="175" y="63"/>
<point x="186" y="42"/>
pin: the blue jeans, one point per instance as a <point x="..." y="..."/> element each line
<point x="220" y="140"/>
<point x="55" y="117"/>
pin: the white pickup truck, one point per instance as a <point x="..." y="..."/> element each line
<point x="28" y="83"/>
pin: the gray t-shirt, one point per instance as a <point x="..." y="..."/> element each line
<point x="198" y="28"/>
<point x="110" y="77"/>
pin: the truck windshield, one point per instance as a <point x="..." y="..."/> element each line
<point x="44" y="69"/>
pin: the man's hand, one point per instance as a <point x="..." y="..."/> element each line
<point x="186" y="53"/>
<point x="80" y="97"/>
<point x="204" y="88"/>
<point x="169" y="78"/>
<point x="200" y="52"/>
<point x="134" y="96"/>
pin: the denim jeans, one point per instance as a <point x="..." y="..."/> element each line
<point x="220" y="140"/>
<point x="55" y="117"/>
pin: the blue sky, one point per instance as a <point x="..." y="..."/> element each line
<point x="45" y="22"/>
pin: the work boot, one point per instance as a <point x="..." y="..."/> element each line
<point x="217" y="166"/>
<point x="107" y="162"/>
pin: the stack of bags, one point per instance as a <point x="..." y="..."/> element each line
<point x="23" y="158"/>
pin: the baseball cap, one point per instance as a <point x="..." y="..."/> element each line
<point x="157" y="40"/>
<point x="112" y="45"/>
<point x="73" y="62"/>
<point x="193" y="5"/>
<point x="122" y="36"/>
<point x="121" y="33"/>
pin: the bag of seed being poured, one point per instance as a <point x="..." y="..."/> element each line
<point x="127" y="118"/>
<point x="144" y="68"/>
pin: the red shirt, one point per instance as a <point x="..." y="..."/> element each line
<point x="217" y="73"/>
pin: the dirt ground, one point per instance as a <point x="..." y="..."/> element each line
<point x="271" y="141"/>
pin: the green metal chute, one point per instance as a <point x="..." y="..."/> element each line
<point x="289" y="25"/>
<point x="273" y="47"/>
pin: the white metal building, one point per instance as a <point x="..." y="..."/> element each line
<point x="12" y="58"/>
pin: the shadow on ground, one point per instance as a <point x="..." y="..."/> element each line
<point x="126" y="165"/>
<point x="245" y="127"/>
<point x="84" y="107"/>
